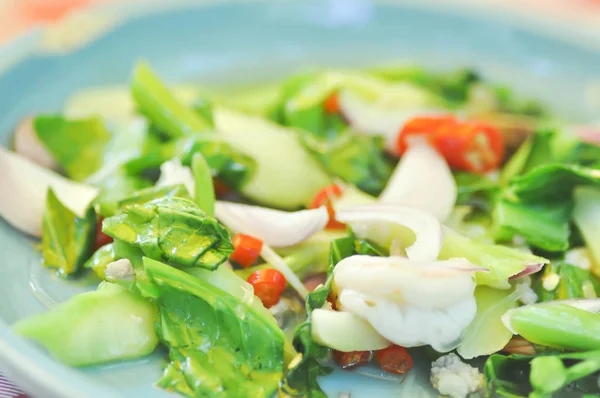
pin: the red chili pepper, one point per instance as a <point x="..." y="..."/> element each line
<point x="350" y="360"/>
<point x="421" y="125"/>
<point x="332" y="104"/>
<point x="394" y="359"/>
<point x="268" y="285"/>
<point x="324" y="198"/>
<point x="101" y="238"/>
<point x="471" y="146"/>
<point x="246" y="249"/>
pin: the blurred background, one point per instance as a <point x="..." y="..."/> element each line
<point x="17" y="16"/>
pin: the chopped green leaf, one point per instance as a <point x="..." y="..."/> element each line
<point x="149" y="194"/>
<point x="115" y="188"/>
<point x="219" y="344"/>
<point x="553" y="182"/>
<point x="535" y="151"/>
<point x="544" y="226"/>
<point x="356" y="159"/>
<point x="172" y="229"/>
<point x="205" y="190"/>
<point x="562" y="281"/>
<point x="67" y="240"/>
<point x="77" y="145"/>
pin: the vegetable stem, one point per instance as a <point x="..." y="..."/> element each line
<point x="205" y="190"/>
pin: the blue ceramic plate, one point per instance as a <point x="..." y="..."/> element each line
<point x="235" y="43"/>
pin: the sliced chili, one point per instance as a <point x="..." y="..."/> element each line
<point x="246" y="249"/>
<point x="268" y="285"/>
<point x="325" y="198"/>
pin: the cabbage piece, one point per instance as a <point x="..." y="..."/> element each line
<point x="486" y="334"/>
<point x="67" y="239"/>
<point x="221" y="341"/>
<point x="174" y="230"/>
<point x="109" y="324"/>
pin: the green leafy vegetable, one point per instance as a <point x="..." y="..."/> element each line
<point x="115" y="188"/>
<point x="586" y="215"/>
<point x="556" y="325"/>
<point x="301" y="377"/>
<point x="354" y="158"/>
<point x="205" y="191"/>
<point x="149" y="194"/>
<point x="564" y="375"/>
<point x="100" y="259"/>
<point x="535" y="151"/>
<point x="189" y="130"/>
<point x="106" y="325"/>
<point x="553" y="182"/>
<point x="162" y="108"/>
<point x="172" y="229"/>
<point x="219" y="344"/>
<point x="67" y="240"/>
<point x="475" y="190"/>
<point x="562" y="281"/>
<point x="77" y="145"/>
<point x="544" y="225"/>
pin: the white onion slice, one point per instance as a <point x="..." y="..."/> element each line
<point x="23" y="188"/>
<point x="427" y="229"/>
<point x="280" y="265"/>
<point x="276" y="228"/>
<point x="344" y="331"/>
<point x="374" y="119"/>
<point x="172" y="172"/>
<point x="422" y="180"/>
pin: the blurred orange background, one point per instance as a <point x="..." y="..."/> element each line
<point x="17" y="16"/>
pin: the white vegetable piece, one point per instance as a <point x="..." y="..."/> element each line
<point x="378" y="221"/>
<point x="23" y="188"/>
<point x="422" y="180"/>
<point x="29" y="145"/>
<point x="409" y="303"/>
<point x="382" y="117"/>
<point x="344" y="331"/>
<point x="275" y="227"/>
<point x="454" y="378"/>
<point x="172" y="172"/>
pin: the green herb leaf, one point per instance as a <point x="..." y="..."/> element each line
<point x="544" y="226"/>
<point x="172" y="229"/>
<point x="77" y="145"/>
<point x="572" y="283"/>
<point x="67" y="240"/>
<point x="220" y="345"/>
<point x="205" y="190"/>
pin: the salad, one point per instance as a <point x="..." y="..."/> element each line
<point x="263" y="237"/>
